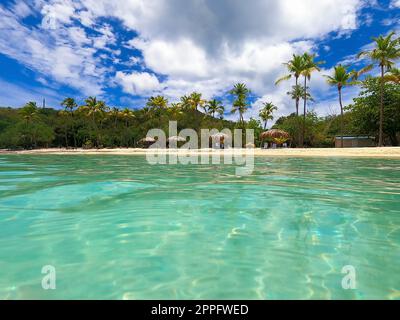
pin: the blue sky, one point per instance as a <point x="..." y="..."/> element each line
<point x="125" y="51"/>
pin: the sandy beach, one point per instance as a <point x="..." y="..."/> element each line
<point x="389" y="152"/>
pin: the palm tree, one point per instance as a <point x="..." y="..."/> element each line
<point x="69" y="105"/>
<point x="158" y="102"/>
<point x="297" y="93"/>
<point x="240" y="105"/>
<point x="205" y="108"/>
<point x="393" y="76"/>
<point x="341" y="78"/>
<point x="29" y="112"/>
<point x="95" y="109"/>
<point x="185" y="102"/>
<point x="196" y="101"/>
<point x="266" y="112"/>
<point x="127" y="114"/>
<point x="114" y="114"/>
<point x="384" y="53"/>
<point x="215" y="106"/>
<point x="175" y="109"/>
<point x="309" y="66"/>
<point x="295" y="68"/>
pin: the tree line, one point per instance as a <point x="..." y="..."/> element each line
<point x="376" y="111"/>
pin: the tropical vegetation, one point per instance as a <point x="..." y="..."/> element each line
<point x="94" y="124"/>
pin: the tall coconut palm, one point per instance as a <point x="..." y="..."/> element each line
<point x="297" y="93"/>
<point x="342" y="78"/>
<point x="185" y="102"/>
<point x="215" y="106"/>
<point x="295" y="68"/>
<point x="29" y="112"/>
<point x="310" y="66"/>
<point x="70" y="105"/>
<point x="95" y="109"/>
<point x="241" y="92"/>
<point x="266" y="113"/>
<point x="385" y="52"/>
<point x="158" y="102"/>
<point x="196" y="100"/>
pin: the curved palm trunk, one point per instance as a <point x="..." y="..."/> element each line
<point x="341" y="117"/>
<point x="304" y="114"/>
<point x="381" y="107"/>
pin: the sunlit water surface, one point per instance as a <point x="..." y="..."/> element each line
<point x="115" y="227"/>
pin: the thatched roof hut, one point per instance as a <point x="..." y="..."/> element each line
<point x="219" y="136"/>
<point x="148" y="140"/>
<point x="275" y="135"/>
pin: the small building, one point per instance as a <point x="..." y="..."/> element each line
<point x="355" y="142"/>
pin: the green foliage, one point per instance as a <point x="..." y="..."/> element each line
<point x="266" y="113"/>
<point x="240" y="105"/>
<point x="364" y="111"/>
<point x="318" y="131"/>
<point x="255" y="125"/>
<point x="94" y="125"/>
<point x="27" y="136"/>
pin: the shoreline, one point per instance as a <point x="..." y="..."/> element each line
<point x="387" y="152"/>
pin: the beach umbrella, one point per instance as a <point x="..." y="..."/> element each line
<point x="219" y="136"/>
<point x="275" y="135"/>
<point x="176" y="139"/>
<point x="148" y="140"/>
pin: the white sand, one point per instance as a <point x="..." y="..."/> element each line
<point x="389" y="152"/>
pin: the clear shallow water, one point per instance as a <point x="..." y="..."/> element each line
<point x="115" y="227"/>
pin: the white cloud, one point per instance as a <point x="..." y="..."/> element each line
<point x="138" y="83"/>
<point x="57" y="12"/>
<point x="62" y="54"/>
<point x="395" y="4"/>
<point x="22" y="9"/>
<point x="205" y="45"/>
<point x="211" y="45"/>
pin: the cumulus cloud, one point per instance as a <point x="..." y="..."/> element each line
<point x="65" y="54"/>
<point x="211" y="45"/>
<point x="395" y="4"/>
<point x="138" y="83"/>
<point x="184" y="46"/>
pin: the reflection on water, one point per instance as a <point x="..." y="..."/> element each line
<point x="115" y="227"/>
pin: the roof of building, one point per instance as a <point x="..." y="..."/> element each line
<point x="355" y="137"/>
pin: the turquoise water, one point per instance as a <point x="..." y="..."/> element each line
<point x="115" y="227"/>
